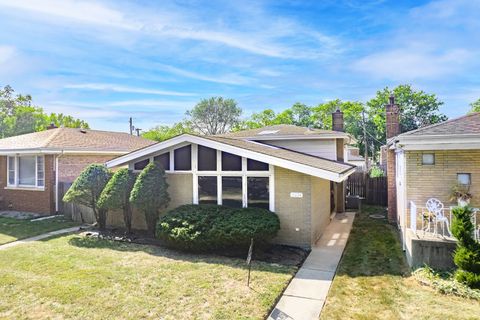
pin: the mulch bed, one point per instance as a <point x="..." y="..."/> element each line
<point x="279" y="254"/>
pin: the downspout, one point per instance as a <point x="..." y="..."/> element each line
<point x="56" y="181"/>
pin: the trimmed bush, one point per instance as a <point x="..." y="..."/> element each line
<point x="116" y="195"/>
<point x="149" y="194"/>
<point x="467" y="254"/>
<point x="86" y="190"/>
<point x="212" y="227"/>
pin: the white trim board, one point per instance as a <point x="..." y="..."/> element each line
<point x="306" y="169"/>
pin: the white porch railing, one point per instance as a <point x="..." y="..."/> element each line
<point x="424" y="223"/>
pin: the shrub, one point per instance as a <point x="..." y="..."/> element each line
<point x="116" y="195"/>
<point x="149" y="193"/>
<point x="467" y="254"/>
<point x="376" y="172"/>
<point x="212" y="227"/>
<point x="86" y="190"/>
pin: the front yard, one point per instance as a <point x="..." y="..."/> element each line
<point x="373" y="280"/>
<point x="14" y="229"/>
<point x="78" y="277"/>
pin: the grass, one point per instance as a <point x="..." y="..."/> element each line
<point x="14" y="229"/>
<point x="374" y="281"/>
<point x="76" y="277"/>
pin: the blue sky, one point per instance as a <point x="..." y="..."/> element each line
<point x="105" y="61"/>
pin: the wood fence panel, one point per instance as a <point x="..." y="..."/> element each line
<point x="373" y="190"/>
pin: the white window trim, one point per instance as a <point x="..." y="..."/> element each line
<point x="16" y="184"/>
<point x="243" y="173"/>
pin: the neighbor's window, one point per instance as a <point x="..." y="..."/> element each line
<point x="232" y="192"/>
<point x="26" y="171"/>
<point x="428" y="158"/>
<point x="163" y="160"/>
<point x="182" y="158"/>
<point x="11" y="171"/>
<point x="231" y="162"/>
<point x="464" y="178"/>
<point x="140" y="165"/>
<point x="207" y="159"/>
<point x="258" y="194"/>
<point x="207" y="190"/>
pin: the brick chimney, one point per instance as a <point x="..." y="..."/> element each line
<point x="392" y="130"/>
<point x="339" y="188"/>
<point x="51" y="126"/>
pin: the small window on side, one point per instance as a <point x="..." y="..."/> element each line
<point x="464" y="179"/>
<point x="140" y="165"/>
<point x="428" y="159"/>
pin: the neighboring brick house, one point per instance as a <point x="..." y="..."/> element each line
<point x="33" y="165"/>
<point x="293" y="171"/>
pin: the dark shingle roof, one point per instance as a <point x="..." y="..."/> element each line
<point x="75" y="139"/>
<point x="469" y="124"/>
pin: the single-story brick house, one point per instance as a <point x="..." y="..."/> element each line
<point x="33" y="165"/>
<point x="296" y="172"/>
<point x="427" y="163"/>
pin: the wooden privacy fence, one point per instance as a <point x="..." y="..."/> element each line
<point x="373" y="190"/>
<point x="75" y="212"/>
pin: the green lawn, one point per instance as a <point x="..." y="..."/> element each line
<point x="374" y="282"/>
<point x="14" y="229"/>
<point x="76" y="277"/>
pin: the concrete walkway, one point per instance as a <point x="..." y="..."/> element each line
<point x="306" y="294"/>
<point x="40" y="237"/>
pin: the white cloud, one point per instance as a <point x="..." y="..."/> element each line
<point x="125" y="89"/>
<point x="266" y="39"/>
<point x="412" y="63"/>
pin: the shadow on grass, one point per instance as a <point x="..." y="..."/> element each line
<point x="87" y="242"/>
<point x="373" y="248"/>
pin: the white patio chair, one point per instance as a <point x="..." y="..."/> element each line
<point x="436" y="207"/>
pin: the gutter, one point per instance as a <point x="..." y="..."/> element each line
<point x="56" y="181"/>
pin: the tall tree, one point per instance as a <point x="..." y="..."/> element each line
<point x="475" y="106"/>
<point x="161" y="133"/>
<point x="215" y="115"/>
<point x="18" y="115"/>
<point x="417" y="109"/>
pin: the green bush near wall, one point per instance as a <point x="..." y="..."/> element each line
<point x="467" y="254"/>
<point x="212" y="227"/>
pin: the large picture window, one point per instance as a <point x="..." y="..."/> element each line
<point x="207" y="190"/>
<point x="232" y="192"/>
<point x="231" y="162"/>
<point x="258" y="192"/>
<point x="26" y="171"/>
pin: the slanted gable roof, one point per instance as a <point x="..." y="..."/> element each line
<point x="70" y="139"/>
<point x="289" y="159"/>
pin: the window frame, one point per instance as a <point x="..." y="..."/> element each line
<point x="469" y="178"/>
<point x="428" y="154"/>
<point x="16" y="171"/>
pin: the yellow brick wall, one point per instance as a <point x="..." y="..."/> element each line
<point x="320" y="210"/>
<point x="310" y="214"/>
<point x="427" y="181"/>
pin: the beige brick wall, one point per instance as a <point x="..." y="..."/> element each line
<point x="70" y="166"/>
<point x="427" y="181"/>
<point x="180" y="190"/>
<point x="320" y="208"/>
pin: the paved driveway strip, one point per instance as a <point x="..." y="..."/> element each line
<point x="40" y="237"/>
<point x="305" y="295"/>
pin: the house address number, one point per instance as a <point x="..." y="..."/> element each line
<point x="296" y="195"/>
